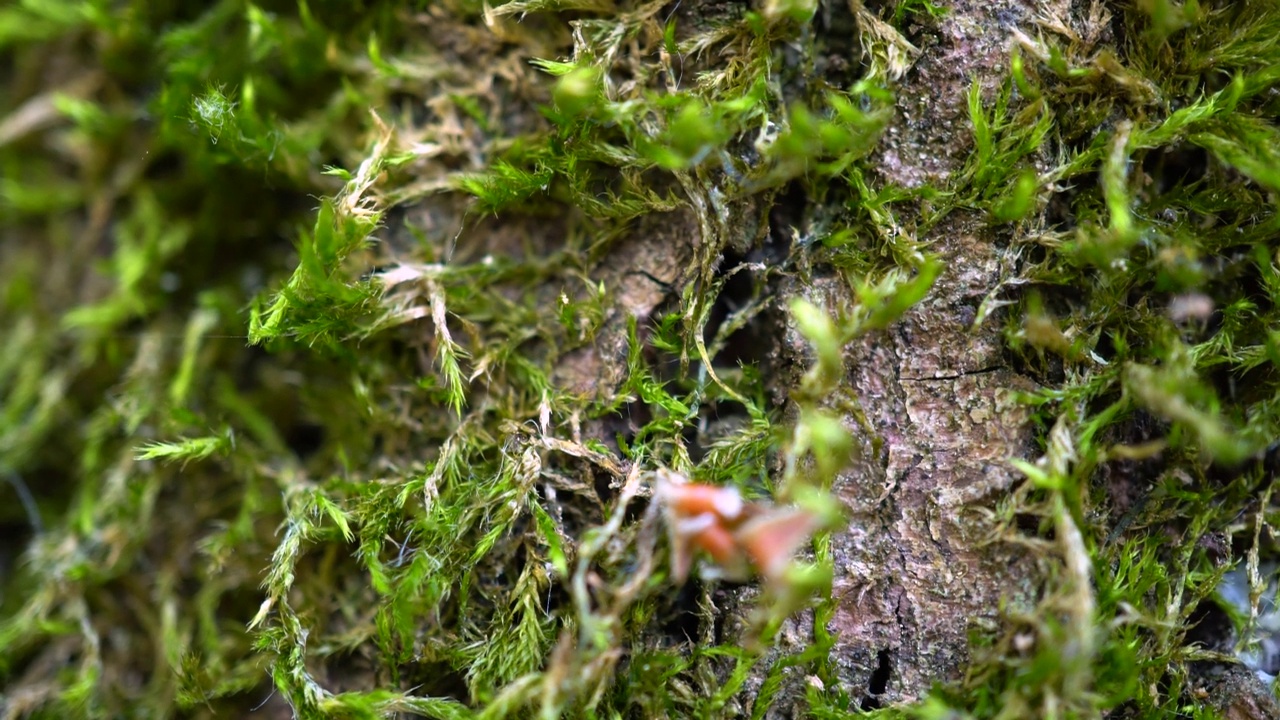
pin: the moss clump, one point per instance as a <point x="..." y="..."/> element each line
<point x="421" y="488"/>
<point x="408" y="502"/>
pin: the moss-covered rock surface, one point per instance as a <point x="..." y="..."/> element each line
<point x="340" y="343"/>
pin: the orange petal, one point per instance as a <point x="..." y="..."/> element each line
<point x="720" y="544"/>
<point x="681" y="532"/>
<point x="771" y="538"/>
<point x="690" y="499"/>
<point x="707" y="534"/>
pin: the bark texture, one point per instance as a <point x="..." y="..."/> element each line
<point x="917" y="569"/>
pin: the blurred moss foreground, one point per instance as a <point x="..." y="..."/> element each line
<point x="338" y="340"/>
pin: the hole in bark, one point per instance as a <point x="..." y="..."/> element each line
<point x="879" y="681"/>
<point x="1028" y="523"/>
<point x="785" y="216"/>
<point x="1176" y="166"/>
<point x="1059" y="216"/>
<point x="1210" y="626"/>
<point x="738" y="291"/>
<point x="304" y="439"/>
<point x="837" y="49"/>
<point x="1128" y="482"/>
<point x="603" y="485"/>
<point x="683" y="621"/>
<point x="436" y="678"/>
<point x="745" y="346"/>
<point x="693" y="442"/>
<point x="14" y="537"/>
<point x="718" y="619"/>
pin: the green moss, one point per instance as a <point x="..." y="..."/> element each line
<point x="397" y="502"/>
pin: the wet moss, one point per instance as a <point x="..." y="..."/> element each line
<point x="385" y="450"/>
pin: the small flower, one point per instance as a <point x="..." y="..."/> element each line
<point x="736" y="535"/>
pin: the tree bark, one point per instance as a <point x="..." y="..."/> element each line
<point x="919" y="569"/>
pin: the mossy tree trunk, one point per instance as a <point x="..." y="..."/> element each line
<point x="932" y="401"/>
<point x="987" y="290"/>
